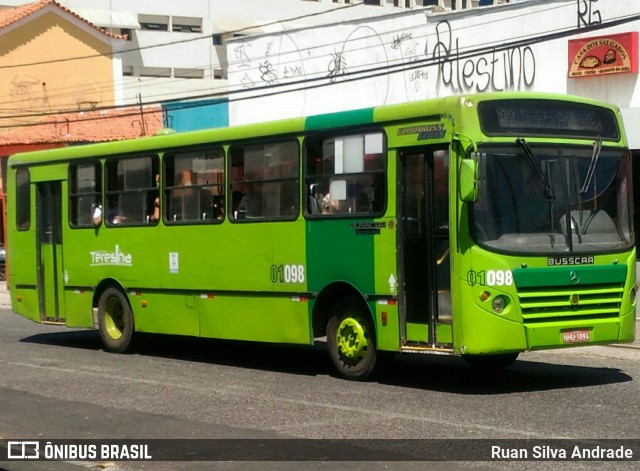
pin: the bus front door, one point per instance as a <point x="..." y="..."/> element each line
<point x="424" y="273"/>
<point x="49" y="250"/>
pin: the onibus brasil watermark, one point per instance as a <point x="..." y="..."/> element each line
<point x="295" y="449"/>
<point x="36" y="450"/>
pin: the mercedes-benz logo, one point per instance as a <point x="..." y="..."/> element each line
<point x="573" y="276"/>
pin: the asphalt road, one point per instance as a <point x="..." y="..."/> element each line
<point x="60" y="384"/>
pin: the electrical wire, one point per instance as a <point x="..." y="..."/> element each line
<point x="182" y="41"/>
<point x="368" y="73"/>
<point x="109" y="85"/>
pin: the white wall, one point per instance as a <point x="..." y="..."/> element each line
<point x="430" y="55"/>
<point x="196" y="50"/>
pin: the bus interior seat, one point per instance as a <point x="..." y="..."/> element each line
<point x="590" y="223"/>
<point x="363" y="203"/>
<point x="315" y="200"/>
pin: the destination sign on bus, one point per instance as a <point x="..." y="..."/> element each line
<point x="547" y="117"/>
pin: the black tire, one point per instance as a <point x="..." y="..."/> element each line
<point x="490" y="362"/>
<point x="351" y="340"/>
<point x="115" y="320"/>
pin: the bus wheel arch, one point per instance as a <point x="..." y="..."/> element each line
<point x="342" y="313"/>
<point x="115" y="317"/>
<point x="325" y="301"/>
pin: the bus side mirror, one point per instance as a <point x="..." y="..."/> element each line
<point x="468" y="182"/>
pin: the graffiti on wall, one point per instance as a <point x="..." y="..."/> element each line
<point x="278" y="60"/>
<point x="364" y="48"/>
<point x="377" y="63"/>
<point x="28" y="91"/>
<point x="512" y="69"/>
<point x="588" y="15"/>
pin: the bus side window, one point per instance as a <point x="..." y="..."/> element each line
<point x="194" y="186"/>
<point x="23" y="199"/>
<point x="267" y="176"/>
<point x="85" y="193"/>
<point x="130" y="189"/>
<point x="346" y="173"/>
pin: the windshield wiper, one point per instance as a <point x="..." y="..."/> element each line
<point x="535" y="168"/>
<point x="595" y="155"/>
<point x="576" y="227"/>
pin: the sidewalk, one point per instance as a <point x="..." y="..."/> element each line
<point x="5" y="302"/>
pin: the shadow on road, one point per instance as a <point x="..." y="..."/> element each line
<point x="440" y="373"/>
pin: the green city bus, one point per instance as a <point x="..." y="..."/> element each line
<point x="479" y="226"/>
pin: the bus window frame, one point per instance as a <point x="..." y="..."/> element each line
<point x="150" y="190"/>
<point x="281" y="139"/>
<point x="99" y="180"/>
<point x="171" y="155"/>
<point x="384" y="172"/>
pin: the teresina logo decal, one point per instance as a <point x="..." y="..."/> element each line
<point x="117" y="258"/>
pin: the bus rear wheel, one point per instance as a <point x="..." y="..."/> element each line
<point x="351" y="340"/>
<point x="115" y="320"/>
<point x="490" y="362"/>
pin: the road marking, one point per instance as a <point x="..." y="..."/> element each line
<point x="335" y="407"/>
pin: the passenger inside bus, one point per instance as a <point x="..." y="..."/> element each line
<point x="155" y="215"/>
<point x="217" y="207"/>
<point x="186" y="178"/>
<point x="96" y="217"/>
<point x="238" y="205"/>
<point x="185" y="201"/>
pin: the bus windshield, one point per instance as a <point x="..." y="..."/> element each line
<point x="553" y="199"/>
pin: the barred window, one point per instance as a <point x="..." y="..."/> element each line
<point x="85" y="193"/>
<point x="131" y="190"/>
<point x="264" y="181"/>
<point x="194" y="186"/>
<point x="345" y="175"/>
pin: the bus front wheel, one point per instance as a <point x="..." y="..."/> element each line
<point x="351" y="340"/>
<point x="115" y="320"/>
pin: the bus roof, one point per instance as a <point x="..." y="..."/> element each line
<point x="360" y="117"/>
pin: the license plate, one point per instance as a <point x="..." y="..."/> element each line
<point x="576" y="336"/>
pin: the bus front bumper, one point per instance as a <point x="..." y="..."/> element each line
<point x="581" y="332"/>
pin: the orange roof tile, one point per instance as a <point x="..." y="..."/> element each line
<point x="87" y="126"/>
<point x="8" y="16"/>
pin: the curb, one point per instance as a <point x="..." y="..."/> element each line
<point x="5" y="297"/>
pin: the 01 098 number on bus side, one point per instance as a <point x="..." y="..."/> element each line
<point x="490" y="277"/>
<point x="287" y="273"/>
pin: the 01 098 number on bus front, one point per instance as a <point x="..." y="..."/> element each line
<point x="490" y="278"/>
<point x="287" y="273"/>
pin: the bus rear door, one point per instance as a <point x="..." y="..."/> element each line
<point x="423" y="243"/>
<point x="49" y="250"/>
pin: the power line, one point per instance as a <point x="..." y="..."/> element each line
<point x="182" y="41"/>
<point x="109" y="85"/>
<point x="368" y="73"/>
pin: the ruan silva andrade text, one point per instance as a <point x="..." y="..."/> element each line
<point x="546" y="452"/>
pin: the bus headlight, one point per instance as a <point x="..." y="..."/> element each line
<point x="498" y="304"/>
<point x="632" y="295"/>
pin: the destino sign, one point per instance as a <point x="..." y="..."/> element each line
<point x="611" y="54"/>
